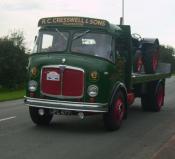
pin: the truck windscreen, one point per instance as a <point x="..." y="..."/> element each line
<point x="95" y="44"/>
<point x="51" y="41"/>
<point x="82" y="42"/>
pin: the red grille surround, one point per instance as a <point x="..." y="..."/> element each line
<point x="52" y="87"/>
<point x="62" y="81"/>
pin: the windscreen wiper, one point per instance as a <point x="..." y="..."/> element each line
<point x="80" y="35"/>
<point x="60" y="33"/>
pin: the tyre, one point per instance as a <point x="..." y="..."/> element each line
<point x="138" y="61"/>
<point x="151" y="61"/>
<point x="40" y="118"/>
<point x="113" y="119"/>
<point x="153" y="100"/>
<point x="150" y="55"/>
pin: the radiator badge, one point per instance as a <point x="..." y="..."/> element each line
<point x="53" y="76"/>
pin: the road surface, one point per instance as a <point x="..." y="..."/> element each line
<point x="140" y="137"/>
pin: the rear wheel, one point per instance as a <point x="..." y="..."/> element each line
<point x="113" y="119"/>
<point x="150" y="49"/>
<point x="138" y="62"/>
<point x="153" y="100"/>
<point x="151" y="61"/>
<point x="40" y="116"/>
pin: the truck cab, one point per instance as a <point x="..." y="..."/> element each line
<point x="81" y="66"/>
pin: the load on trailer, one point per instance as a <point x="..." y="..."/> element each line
<point x="84" y="66"/>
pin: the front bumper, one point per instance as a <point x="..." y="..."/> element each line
<point x="66" y="105"/>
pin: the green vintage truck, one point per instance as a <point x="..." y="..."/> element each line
<point x="84" y="66"/>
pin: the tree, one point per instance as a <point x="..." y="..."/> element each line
<point x="13" y="60"/>
<point x="167" y="54"/>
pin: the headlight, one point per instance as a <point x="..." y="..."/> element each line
<point x="32" y="86"/>
<point x="92" y="90"/>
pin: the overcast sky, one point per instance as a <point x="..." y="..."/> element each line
<point x="149" y="18"/>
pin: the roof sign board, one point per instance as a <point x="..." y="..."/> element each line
<point x="73" y="21"/>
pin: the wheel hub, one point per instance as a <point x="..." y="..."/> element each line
<point x="155" y="62"/>
<point x="119" y="109"/>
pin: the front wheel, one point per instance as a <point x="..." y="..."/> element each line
<point x="113" y="119"/>
<point x="40" y="116"/>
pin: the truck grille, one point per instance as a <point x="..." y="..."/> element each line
<point x="62" y="81"/>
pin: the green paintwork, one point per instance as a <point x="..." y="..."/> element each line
<point x="88" y="63"/>
<point x="110" y="75"/>
<point x="143" y="78"/>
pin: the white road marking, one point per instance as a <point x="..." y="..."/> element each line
<point x="7" y="118"/>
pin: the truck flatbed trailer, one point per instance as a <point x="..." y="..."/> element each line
<point x="163" y="71"/>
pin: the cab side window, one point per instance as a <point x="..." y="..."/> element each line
<point x="121" y="50"/>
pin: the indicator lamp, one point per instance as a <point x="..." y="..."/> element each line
<point x="94" y="75"/>
<point x="34" y="71"/>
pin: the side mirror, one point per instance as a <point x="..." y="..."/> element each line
<point x="35" y="38"/>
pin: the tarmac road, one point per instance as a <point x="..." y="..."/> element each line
<point x="140" y="137"/>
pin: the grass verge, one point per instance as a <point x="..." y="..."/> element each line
<point x="11" y="94"/>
